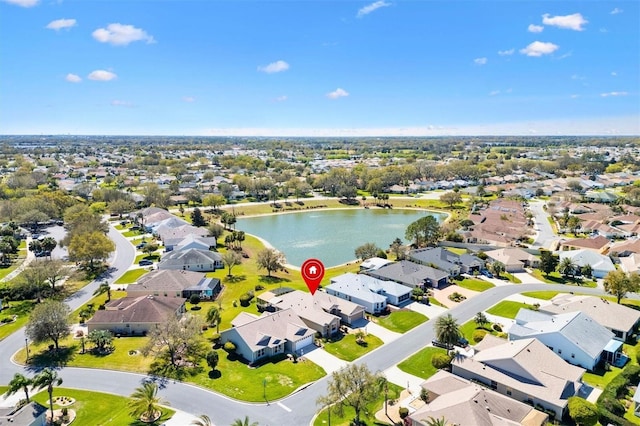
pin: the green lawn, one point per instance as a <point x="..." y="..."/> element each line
<point x="22" y="309"/>
<point x="153" y="256"/>
<point x="510" y="278"/>
<point x="457" y="250"/>
<point x="600" y="378"/>
<point x="474" y="284"/>
<point x="3" y="389"/>
<point x="556" y="278"/>
<point x="544" y="295"/>
<point x="368" y="417"/>
<point x="469" y="327"/>
<point x="131" y="276"/>
<point x="507" y="308"/>
<point x="419" y="364"/>
<point x="14" y="265"/>
<point x="133" y="233"/>
<point x="401" y="321"/>
<point x="97" y="409"/>
<point x="347" y="349"/>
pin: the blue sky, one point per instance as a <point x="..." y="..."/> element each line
<point x="305" y="68"/>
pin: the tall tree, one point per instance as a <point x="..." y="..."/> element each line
<point x="101" y="339"/>
<point x="19" y="383"/>
<point x="177" y="339"/>
<point x="214" y="317"/>
<point x="145" y="402"/>
<point x="424" y="231"/>
<point x="270" y="259"/>
<point x="548" y="262"/>
<point x="447" y="330"/>
<point x="566" y="267"/>
<point x="197" y="218"/>
<point x="49" y="321"/>
<point x="244" y="422"/>
<point x="497" y="268"/>
<point x="451" y="198"/>
<point x="90" y="247"/>
<point x="352" y="386"/>
<point x="481" y="319"/>
<point x="48" y="378"/>
<point x="366" y="251"/>
<point x="48" y="244"/>
<point x="212" y="358"/>
<point x="202" y="420"/>
<point x="103" y="288"/>
<point x="215" y="230"/>
<point x="618" y="283"/>
<point x="231" y="259"/>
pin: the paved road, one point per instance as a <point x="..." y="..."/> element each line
<point x="546" y="238"/>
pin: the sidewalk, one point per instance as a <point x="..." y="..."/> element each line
<point x="379" y="331"/>
<point x="405" y="380"/>
<point x="27" y="260"/>
<point x="323" y="358"/>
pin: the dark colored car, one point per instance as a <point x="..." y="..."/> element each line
<point x="486" y="273"/>
<point x="145" y="262"/>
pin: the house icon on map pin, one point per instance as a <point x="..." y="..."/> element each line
<point x="313" y="270"/>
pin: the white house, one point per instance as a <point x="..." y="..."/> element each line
<point x="575" y="337"/>
<point x="601" y="265"/>
<point x="355" y="288"/>
<point x="374" y="263"/>
<point x="192" y="259"/>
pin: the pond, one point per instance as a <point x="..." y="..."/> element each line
<point x="331" y="235"/>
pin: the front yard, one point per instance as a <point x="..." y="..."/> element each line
<point x="18" y="313"/>
<point x="401" y="321"/>
<point x="473" y="284"/>
<point x="508" y="308"/>
<point x="419" y="364"/>
<point x="347" y="348"/>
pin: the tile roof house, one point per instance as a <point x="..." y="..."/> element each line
<point x="600" y="264"/>
<point x="574" y="336"/>
<point x="411" y="274"/>
<point x="271" y="334"/>
<point x="192" y="259"/>
<point x="172" y="283"/>
<point x="514" y="259"/>
<point x="621" y="320"/>
<point x="443" y="259"/>
<point x="315" y="310"/>
<point x="625" y="248"/>
<point x="136" y="315"/>
<point x="464" y="403"/>
<point x="525" y="370"/>
<point x="630" y="263"/>
<point x="597" y="244"/>
<point x="368" y="291"/>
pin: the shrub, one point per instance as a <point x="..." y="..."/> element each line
<point x="215" y="337"/>
<point x="403" y="412"/>
<point x="245" y="299"/>
<point x="497" y="328"/>
<point x="229" y="347"/>
<point x="440" y="360"/>
<point x="259" y="287"/>
<point x="478" y="335"/>
<point x="194" y="299"/>
<point x="6" y="320"/>
<point x="582" y="412"/>
<point x="381" y="254"/>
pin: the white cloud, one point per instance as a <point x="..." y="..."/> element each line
<point x="281" y="98"/>
<point x="273" y="67"/>
<point x="539" y="48"/>
<point x="605" y="95"/>
<point x="59" y="24"/>
<point x="494" y="93"/>
<point x="614" y="74"/>
<point x="101" y="75"/>
<point x="338" y="93"/>
<point x="188" y="99"/>
<point x="535" y="28"/>
<point x="578" y="77"/>
<point x="121" y="35"/>
<point x="480" y="61"/>
<point x="371" y="7"/>
<point x="569" y="22"/>
<point x="506" y="52"/>
<point x="23" y="3"/>
<point x="73" y="78"/>
<point x="120" y="103"/>
<point x="615" y="11"/>
<point x="575" y="96"/>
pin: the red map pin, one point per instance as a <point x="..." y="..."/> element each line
<point x="312" y="271"/>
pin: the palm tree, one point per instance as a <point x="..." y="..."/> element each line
<point x="48" y="378"/>
<point x="245" y="422"/>
<point x="481" y="319"/>
<point x="435" y="422"/>
<point x="213" y="317"/>
<point x="102" y="289"/>
<point x="566" y="267"/>
<point x="145" y="402"/>
<point x="203" y="420"/>
<point x="18" y="383"/>
<point x="497" y="268"/>
<point x="447" y="331"/>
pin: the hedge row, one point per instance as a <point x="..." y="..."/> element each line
<point x="611" y="408"/>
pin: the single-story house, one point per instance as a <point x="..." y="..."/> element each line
<point x="574" y="336"/>
<point x="166" y="233"/>
<point x="352" y="287"/>
<point x="395" y="293"/>
<point x="411" y="274"/>
<point x="195" y="241"/>
<point x="136" y="315"/>
<point x="525" y="370"/>
<point x="514" y="259"/>
<point x="271" y="334"/>
<point x="192" y="259"/>
<point x="374" y="263"/>
<point x="600" y="264"/>
<point x="597" y="244"/>
<point x="621" y="320"/>
<point x="172" y="283"/>
<point x="322" y="317"/>
<point x="464" y="403"/>
<point x="443" y="259"/>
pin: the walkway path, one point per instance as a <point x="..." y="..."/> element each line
<point x="324" y="359"/>
<point x="27" y="260"/>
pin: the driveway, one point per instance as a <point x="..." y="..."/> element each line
<point x="324" y="359"/>
<point x="442" y="295"/>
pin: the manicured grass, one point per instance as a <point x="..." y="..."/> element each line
<point x="419" y="364"/>
<point x="131" y="276"/>
<point x="457" y="250"/>
<point x="511" y="278"/>
<point x="347" y="349"/>
<point x="22" y="309"/>
<point x="96" y="408"/>
<point x="434" y="301"/>
<point x="469" y="327"/>
<point x="474" y="284"/>
<point x="368" y="415"/>
<point x="544" y="295"/>
<point x="401" y="321"/>
<point x="3" y="389"/>
<point x="133" y="233"/>
<point x="507" y="308"/>
<point x="556" y="278"/>
<point x="600" y="378"/>
<point x="153" y="257"/>
<point x="14" y="265"/>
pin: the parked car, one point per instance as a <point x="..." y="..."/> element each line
<point x="141" y="245"/>
<point x="439" y="344"/>
<point x="145" y="262"/>
<point x="44" y="253"/>
<point x="486" y="273"/>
